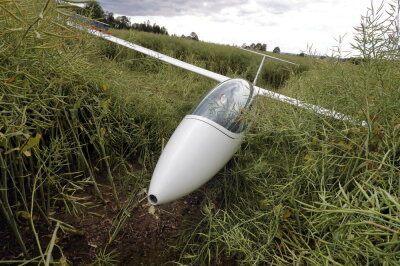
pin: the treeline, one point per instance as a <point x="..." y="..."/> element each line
<point x="192" y="36"/>
<point x="95" y="11"/>
<point x="258" y="46"/>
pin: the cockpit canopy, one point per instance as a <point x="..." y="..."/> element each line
<point x="227" y="103"/>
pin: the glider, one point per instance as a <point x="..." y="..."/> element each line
<point x="207" y="138"/>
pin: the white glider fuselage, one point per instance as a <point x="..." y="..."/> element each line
<point x="203" y="142"/>
<point x="197" y="150"/>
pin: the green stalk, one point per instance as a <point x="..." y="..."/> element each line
<point x="13" y="175"/>
<point x="31" y="213"/>
<point x="83" y="157"/>
<point x="22" y="182"/>
<point x="64" y="138"/>
<point x="109" y="175"/>
<point x="20" y="262"/>
<point x="51" y="245"/>
<point x="6" y="208"/>
<point x="105" y="157"/>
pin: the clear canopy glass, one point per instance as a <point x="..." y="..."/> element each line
<point x="226" y="104"/>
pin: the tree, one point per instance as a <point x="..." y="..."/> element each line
<point x="277" y="50"/>
<point x="164" y="31"/>
<point x="123" y="22"/>
<point x="264" y="47"/>
<point x="94" y="11"/>
<point x="156" y="28"/>
<point x="110" y="20"/>
<point x="258" y="46"/>
<point x="193" y="36"/>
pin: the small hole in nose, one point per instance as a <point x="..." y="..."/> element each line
<point x="153" y="199"/>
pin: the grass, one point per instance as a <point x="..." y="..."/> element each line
<point x="310" y="190"/>
<point x="225" y="60"/>
<point x="303" y="189"/>
<point x="65" y="112"/>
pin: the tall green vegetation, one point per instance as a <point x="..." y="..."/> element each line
<point x="71" y="117"/>
<point x="65" y="115"/>
<point x="378" y="36"/>
<point x="49" y="115"/>
<point x="225" y="60"/>
<point x="310" y="190"/>
<point x="304" y="189"/>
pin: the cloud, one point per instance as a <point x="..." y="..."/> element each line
<point x="205" y="8"/>
<point x="277" y="7"/>
<point x="290" y="24"/>
<point x="167" y="8"/>
<point x="281" y="7"/>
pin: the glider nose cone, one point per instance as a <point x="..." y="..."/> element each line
<point x="195" y="153"/>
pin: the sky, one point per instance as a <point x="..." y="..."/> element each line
<point x="293" y="25"/>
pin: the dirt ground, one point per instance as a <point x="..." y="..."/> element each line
<point x="145" y="238"/>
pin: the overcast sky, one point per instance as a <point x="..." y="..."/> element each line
<point x="293" y="25"/>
